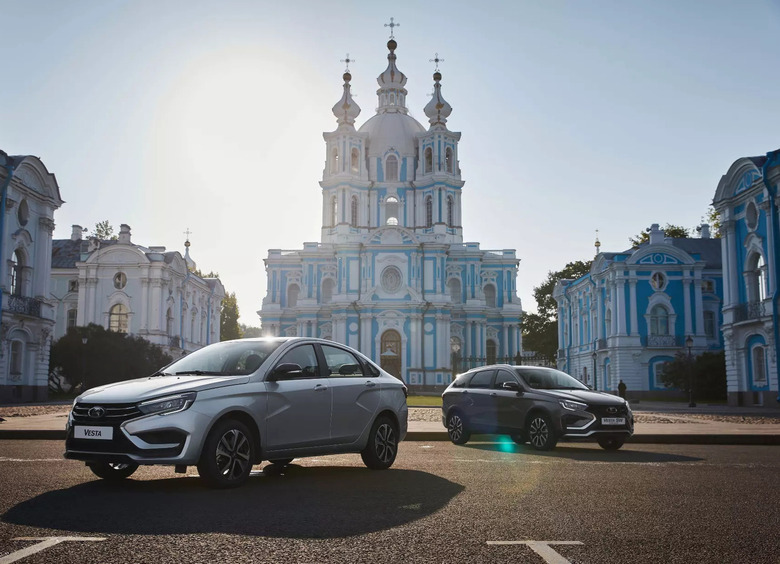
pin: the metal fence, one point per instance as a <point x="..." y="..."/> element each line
<point x="462" y="364"/>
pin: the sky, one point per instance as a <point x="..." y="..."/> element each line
<point x="576" y="116"/>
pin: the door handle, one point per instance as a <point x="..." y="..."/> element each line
<point x="370" y="384"/>
<point x="320" y="388"/>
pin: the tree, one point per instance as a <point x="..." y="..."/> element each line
<point x="540" y="330"/>
<point x="708" y="372"/>
<point x="104" y="231"/>
<point x="673" y="231"/>
<point x="228" y="321"/>
<point x="247" y="332"/>
<point x="713" y="219"/>
<point x="106" y="357"/>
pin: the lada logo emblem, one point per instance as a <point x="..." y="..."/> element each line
<point x="612" y="410"/>
<point x="96" y="412"/>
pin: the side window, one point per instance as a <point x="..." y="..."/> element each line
<point x="305" y="357"/>
<point x="503" y="376"/>
<point x="482" y="379"/>
<point x="341" y="363"/>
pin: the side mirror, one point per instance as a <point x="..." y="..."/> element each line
<point x="514" y="386"/>
<point x="285" y="371"/>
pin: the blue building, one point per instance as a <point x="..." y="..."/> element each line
<point x="635" y="310"/>
<point x="392" y="276"/>
<point x="747" y="199"/>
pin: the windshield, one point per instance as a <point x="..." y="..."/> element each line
<point x="549" y="379"/>
<point x="231" y="358"/>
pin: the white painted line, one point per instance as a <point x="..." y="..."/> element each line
<point x="542" y="548"/>
<point x="6" y="459"/>
<point x="46" y="542"/>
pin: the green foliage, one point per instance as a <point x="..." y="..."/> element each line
<point x="546" y="305"/>
<point x="200" y="274"/>
<point x="247" y="332"/>
<point x="228" y="323"/>
<point x="713" y="219"/>
<point x="104" y="231"/>
<point x="673" y="231"/>
<point x="105" y="358"/>
<point x="708" y="372"/>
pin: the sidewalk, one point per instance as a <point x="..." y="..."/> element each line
<point x="664" y="424"/>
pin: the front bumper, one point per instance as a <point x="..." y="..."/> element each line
<point x="590" y="423"/>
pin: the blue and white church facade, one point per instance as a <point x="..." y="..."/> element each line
<point x="748" y="202"/>
<point x="392" y="276"/>
<point x="635" y="310"/>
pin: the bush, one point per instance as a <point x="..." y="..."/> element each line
<point x="708" y="371"/>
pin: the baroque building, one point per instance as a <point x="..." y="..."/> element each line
<point x="128" y="288"/>
<point x="748" y="202"/>
<point x="392" y="276"/>
<point x="635" y="311"/>
<point x="30" y="195"/>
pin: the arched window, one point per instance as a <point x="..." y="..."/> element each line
<point x="390" y="357"/>
<point x="391" y="210"/>
<point x="334" y="211"/>
<point x="448" y="159"/>
<point x="455" y="354"/>
<point x="755" y="278"/>
<point x="391" y="167"/>
<point x="490" y="295"/>
<point x="428" y="211"/>
<point x="428" y="160"/>
<point x="72" y="315"/>
<point x="327" y="290"/>
<point x="659" y="320"/>
<point x="709" y="324"/>
<point x="292" y="295"/>
<point x="490" y="350"/>
<point x="16" y="273"/>
<point x="334" y="161"/>
<point x="17" y="358"/>
<point x="454" y="289"/>
<point x="117" y="318"/>
<point x="354" y="212"/>
<point x="450" y="211"/>
<point x="355" y="161"/>
<point x="759" y="366"/>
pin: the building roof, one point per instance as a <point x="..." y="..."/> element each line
<point x="65" y="253"/>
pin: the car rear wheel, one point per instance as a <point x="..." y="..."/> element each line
<point x="611" y="443"/>
<point x="227" y="455"/>
<point x="457" y="429"/>
<point x="382" y="446"/>
<point x="540" y="432"/>
<point x="113" y="471"/>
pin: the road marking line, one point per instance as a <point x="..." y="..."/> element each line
<point x="542" y="548"/>
<point x="46" y="542"/>
<point x="5" y="459"/>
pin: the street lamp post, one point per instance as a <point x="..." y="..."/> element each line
<point x="595" y="375"/>
<point x="689" y="344"/>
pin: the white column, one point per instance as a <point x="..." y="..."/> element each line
<point x="698" y="307"/>
<point x="634" y="312"/>
<point x="687" y="303"/>
<point x="621" y="305"/>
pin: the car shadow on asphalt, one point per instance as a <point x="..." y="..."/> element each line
<point x="570" y="451"/>
<point x="298" y="502"/>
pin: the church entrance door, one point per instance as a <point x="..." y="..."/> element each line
<point x="390" y="359"/>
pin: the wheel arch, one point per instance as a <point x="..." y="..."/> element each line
<point x="247" y="420"/>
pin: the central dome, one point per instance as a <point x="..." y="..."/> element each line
<point x="392" y="130"/>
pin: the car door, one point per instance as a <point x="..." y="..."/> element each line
<point x="298" y="412"/>
<point x="355" y="394"/>
<point x="510" y="405"/>
<point x="480" y="410"/>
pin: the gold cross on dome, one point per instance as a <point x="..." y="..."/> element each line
<point x="188" y="233"/>
<point x="391" y="25"/>
<point x="347" y="60"/>
<point x="436" y="60"/>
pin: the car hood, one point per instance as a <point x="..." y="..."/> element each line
<point x="141" y="389"/>
<point x="587" y="396"/>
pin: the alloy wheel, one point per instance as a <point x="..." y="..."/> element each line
<point x="232" y="454"/>
<point x="455" y="428"/>
<point x="385" y="443"/>
<point x="539" y="432"/>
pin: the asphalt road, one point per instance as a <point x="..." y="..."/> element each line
<point x="439" y="503"/>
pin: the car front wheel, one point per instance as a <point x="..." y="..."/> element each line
<point x="611" y="443"/>
<point x="457" y="430"/>
<point x="227" y="455"/>
<point x="382" y="446"/>
<point x="112" y="471"/>
<point x="540" y="432"/>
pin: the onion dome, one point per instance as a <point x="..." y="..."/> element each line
<point x="437" y="110"/>
<point x="346" y="110"/>
<point x="391" y="93"/>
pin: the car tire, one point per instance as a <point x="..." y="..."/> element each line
<point x="457" y="428"/>
<point x="281" y="461"/>
<point x="540" y="432"/>
<point x="227" y="455"/>
<point x="519" y="438"/>
<point x="382" y="447"/>
<point x="113" y="471"/>
<point x="611" y="443"/>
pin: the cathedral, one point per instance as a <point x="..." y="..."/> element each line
<point x="392" y="276"/>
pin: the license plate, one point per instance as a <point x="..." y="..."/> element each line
<point x="97" y="433"/>
<point x="613" y="420"/>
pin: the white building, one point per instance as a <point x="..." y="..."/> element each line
<point x="129" y="288"/>
<point x="30" y="195"/>
<point x="393" y="276"/>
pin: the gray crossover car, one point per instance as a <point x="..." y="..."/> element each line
<point x="533" y="404"/>
<point x="234" y="404"/>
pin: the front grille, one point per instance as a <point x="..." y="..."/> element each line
<point x="114" y="413"/>
<point x="609" y="410"/>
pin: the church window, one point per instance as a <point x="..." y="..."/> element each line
<point x="334" y="161"/>
<point x="428" y="211"/>
<point x="428" y="160"/>
<point x="354" y="212"/>
<point x="450" y="211"/>
<point x="292" y="295"/>
<point x="659" y="320"/>
<point x="709" y="324"/>
<point x="72" y="314"/>
<point x="391" y="279"/>
<point x="120" y="280"/>
<point x="448" y="159"/>
<point x="73" y="285"/>
<point x="608" y="323"/>
<point x="491" y="350"/>
<point x="455" y="348"/>
<point x="708" y="286"/>
<point x="334" y="211"/>
<point x="454" y="288"/>
<point x="658" y="281"/>
<point x="755" y="279"/>
<point x="17" y="264"/>
<point x="17" y="355"/>
<point x="327" y="290"/>
<point x="490" y="295"/>
<point x="23" y="213"/>
<point x="391" y="210"/>
<point x="117" y="318"/>
<point x="759" y="366"/>
<point x="751" y="216"/>
<point x="355" y="161"/>
<point x="391" y="167"/>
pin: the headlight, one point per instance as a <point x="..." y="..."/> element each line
<point x="170" y="404"/>
<point x="574" y="405"/>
